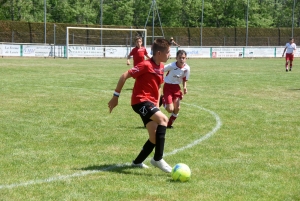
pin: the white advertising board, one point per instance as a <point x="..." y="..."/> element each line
<point x="85" y="51"/>
<point x="197" y="52"/>
<point x="220" y="52"/>
<point x="11" y="50"/>
<point x="36" y="50"/>
<point x="259" y="52"/>
<point x="42" y="51"/>
<point x="173" y="51"/>
<point x="117" y="52"/>
<point x="279" y="51"/>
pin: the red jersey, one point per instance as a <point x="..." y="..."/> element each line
<point x="138" y="55"/>
<point x="148" y="78"/>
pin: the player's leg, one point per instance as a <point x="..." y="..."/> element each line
<point x="169" y="103"/>
<point x="142" y="109"/>
<point x="287" y="59"/>
<point x="174" y="115"/>
<point x="168" y="97"/>
<point x="157" y="130"/>
<point x="291" y="61"/>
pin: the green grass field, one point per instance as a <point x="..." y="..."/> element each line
<point x="238" y="130"/>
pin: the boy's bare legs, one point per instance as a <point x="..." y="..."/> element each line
<point x="173" y="108"/>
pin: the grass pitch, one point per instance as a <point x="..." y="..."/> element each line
<point x="238" y="131"/>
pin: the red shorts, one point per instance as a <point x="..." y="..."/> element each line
<point x="289" y="57"/>
<point x="171" y="92"/>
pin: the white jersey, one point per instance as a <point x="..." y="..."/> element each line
<point x="290" y="48"/>
<point x="175" y="74"/>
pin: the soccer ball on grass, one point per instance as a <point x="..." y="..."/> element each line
<point x="181" y="172"/>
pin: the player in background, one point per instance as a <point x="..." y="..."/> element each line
<point x="139" y="52"/>
<point x="290" y="49"/>
<point x="173" y="42"/>
<point x="177" y="72"/>
<point x="149" y="76"/>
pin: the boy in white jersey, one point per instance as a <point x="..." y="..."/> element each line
<point x="290" y="49"/>
<point x="177" y="72"/>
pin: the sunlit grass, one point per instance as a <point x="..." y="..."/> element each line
<point x="59" y="142"/>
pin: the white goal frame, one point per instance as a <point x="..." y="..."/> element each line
<point x="90" y="28"/>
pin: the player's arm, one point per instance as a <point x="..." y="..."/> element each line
<point x="176" y="44"/>
<point x="159" y="94"/>
<point x="284" y="51"/>
<point x="128" y="59"/>
<point x="168" y="67"/>
<point x="115" y="99"/>
<point x="184" y="81"/>
<point x="294" y="51"/>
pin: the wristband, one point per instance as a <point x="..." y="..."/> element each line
<point x="116" y="94"/>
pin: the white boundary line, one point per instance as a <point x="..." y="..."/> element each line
<point x="84" y="173"/>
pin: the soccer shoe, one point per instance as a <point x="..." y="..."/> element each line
<point x="139" y="165"/>
<point x="287" y="70"/>
<point x="170" y="127"/>
<point x="161" y="164"/>
<point x="290" y="69"/>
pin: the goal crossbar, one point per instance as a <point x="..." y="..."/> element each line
<point x="92" y="28"/>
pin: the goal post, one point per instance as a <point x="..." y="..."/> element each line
<point x="100" y="29"/>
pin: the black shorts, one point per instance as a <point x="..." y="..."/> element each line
<point x="145" y="110"/>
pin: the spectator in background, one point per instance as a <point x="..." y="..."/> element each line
<point x="173" y="42"/>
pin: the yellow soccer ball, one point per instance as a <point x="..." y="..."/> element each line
<point x="181" y="172"/>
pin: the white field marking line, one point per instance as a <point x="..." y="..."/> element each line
<point x="84" y="173"/>
<point x="206" y="136"/>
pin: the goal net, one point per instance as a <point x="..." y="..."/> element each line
<point x="101" y="42"/>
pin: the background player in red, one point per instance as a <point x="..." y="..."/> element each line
<point x="177" y="72"/>
<point x="290" y="49"/>
<point x="138" y="53"/>
<point x="149" y="76"/>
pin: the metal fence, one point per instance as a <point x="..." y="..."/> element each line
<point x="127" y="39"/>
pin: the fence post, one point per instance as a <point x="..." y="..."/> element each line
<point x="234" y="36"/>
<point x="278" y="36"/>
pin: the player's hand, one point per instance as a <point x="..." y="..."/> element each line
<point x="128" y="62"/>
<point x="185" y="90"/>
<point x="113" y="103"/>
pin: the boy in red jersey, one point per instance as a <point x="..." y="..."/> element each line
<point x="290" y="49"/>
<point x="138" y="53"/>
<point x="177" y="72"/>
<point x="149" y="76"/>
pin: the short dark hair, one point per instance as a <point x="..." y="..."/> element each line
<point x="291" y="38"/>
<point x="160" y="44"/>
<point x="138" y="38"/>
<point x="181" y="52"/>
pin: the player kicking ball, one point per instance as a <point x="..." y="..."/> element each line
<point x="177" y="72"/>
<point x="149" y="76"/>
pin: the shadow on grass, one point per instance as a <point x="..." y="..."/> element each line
<point x="118" y="168"/>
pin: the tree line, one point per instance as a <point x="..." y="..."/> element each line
<point x="167" y="13"/>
